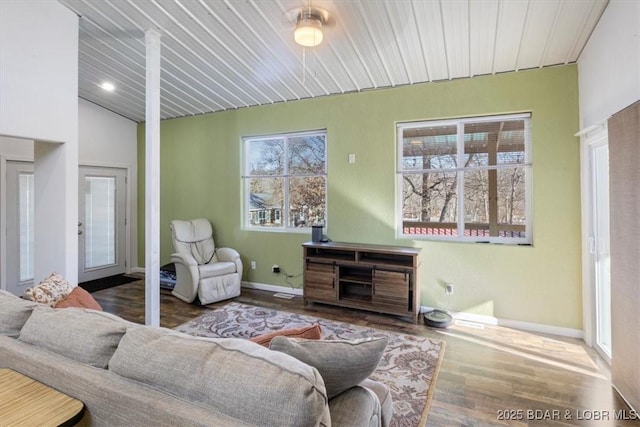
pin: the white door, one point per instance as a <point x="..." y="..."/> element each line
<point x="19" y="272"/>
<point x="599" y="245"/>
<point x="101" y="222"/>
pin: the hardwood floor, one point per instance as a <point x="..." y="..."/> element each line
<point x="490" y="375"/>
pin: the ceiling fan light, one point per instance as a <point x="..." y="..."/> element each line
<point x="308" y="32"/>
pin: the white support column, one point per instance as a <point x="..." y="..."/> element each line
<point x="152" y="180"/>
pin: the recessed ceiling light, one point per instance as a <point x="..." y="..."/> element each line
<point x="110" y="87"/>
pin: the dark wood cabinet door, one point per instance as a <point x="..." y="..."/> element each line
<point x="320" y="281"/>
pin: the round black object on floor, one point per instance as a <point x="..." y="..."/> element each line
<point x="437" y="318"/>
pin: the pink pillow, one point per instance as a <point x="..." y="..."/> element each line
<point x="79" y="298"/>
<point x="313" y="332"/>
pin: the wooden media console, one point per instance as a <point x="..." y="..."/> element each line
<point x="377" y="278"/>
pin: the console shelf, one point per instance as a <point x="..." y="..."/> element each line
<point x="369" y="277"/>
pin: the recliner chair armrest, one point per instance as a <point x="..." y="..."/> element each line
<point x="230" y="255"/>
<point x="227" y="254"/>
<point x="187" y="277"/>
<point x="185" y="259"/>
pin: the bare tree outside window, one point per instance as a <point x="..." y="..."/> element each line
<point x="285" y="180"/>
<point x="465" y="179"/>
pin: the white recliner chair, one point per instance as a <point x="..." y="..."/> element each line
<point x="212" y="274"/>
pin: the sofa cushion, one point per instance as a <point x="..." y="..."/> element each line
<point x="14" y="312"/>
<point x="384" y="397"/>
<point x="311" y="332"/>
<point x="342" y="364"/>
<point x="87" y="336"/>
<point x="357" y="406"/>
<point x="79" y="298"/>
<point x="51" y="290"/>
<point x="223" y="374"/>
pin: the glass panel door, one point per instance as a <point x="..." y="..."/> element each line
<point x="600" y="245"/>
<point x="99" y="227"/>
<point x="20" y="235"/>
<point x="101" y="223"/>
<point x="25" y="221"/>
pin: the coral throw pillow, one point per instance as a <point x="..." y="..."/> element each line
<point x="79" y="298"/>
<point x="313" y="332"/>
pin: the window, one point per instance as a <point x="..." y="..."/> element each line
<point x="465" y="179"/>
<point x="285" y="180"/>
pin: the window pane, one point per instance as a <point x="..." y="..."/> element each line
<point x="265" y="157"/>
<point x="429" y="148"/>
<point x="266" y="200"/>
<point x="512" y="214"/>
<point x="429" y="203"/>
<point x="25" y="215"/>
<point x="476" y="203"/>
<point x="307" y="154"/>
<point x="503" y="215"/>
<point x="100" y="236"/>
<point x="494" y="143"/>
<point x="307" y="201"/>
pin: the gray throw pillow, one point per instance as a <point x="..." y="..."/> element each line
<point x="84" y="335"/>
<point x="342" y="364"/>
<point x="14" y="312"/>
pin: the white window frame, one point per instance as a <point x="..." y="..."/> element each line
<point x="460" y="122"/>
<point x="284" y="213"/>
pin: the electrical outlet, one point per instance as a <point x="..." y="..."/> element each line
<point x="448" y="288"/>
<point x="253" y="265"/>
<point x="275" y="268"/>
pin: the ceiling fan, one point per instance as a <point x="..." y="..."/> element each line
<point x="309" y="24"/>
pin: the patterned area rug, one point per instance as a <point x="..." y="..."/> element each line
<point x="409" y="365"/>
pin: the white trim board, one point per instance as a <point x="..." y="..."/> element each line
<point x="515" y="324"/>
<point x="272" y="288"/>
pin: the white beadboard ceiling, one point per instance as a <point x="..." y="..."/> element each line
<point x="226" y="54"/>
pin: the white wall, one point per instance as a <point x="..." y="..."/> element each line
<point x="609" y="67"/>
<point x="16" y="148"/>
<point x="105" y="138"/>
<point x="39" y="87"/>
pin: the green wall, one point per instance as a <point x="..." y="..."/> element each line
<point x="201" y="168"/>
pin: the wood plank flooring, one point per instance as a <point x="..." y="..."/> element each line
<point x="490" y="375"/>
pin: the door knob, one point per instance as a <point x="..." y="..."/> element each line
<point x="79" y="232"/>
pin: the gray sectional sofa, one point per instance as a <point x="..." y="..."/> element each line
<point x="134" y="375"/>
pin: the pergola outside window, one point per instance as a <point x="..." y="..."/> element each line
<point x="465" y="179"/>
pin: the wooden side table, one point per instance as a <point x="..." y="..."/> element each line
<point x="25" y="401"/>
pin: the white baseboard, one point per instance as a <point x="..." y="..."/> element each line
<point x="515" y="324"/>
<point x="622" y="396"/>
<point x="272" y="288"/>
<point x="457" y="315"/>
